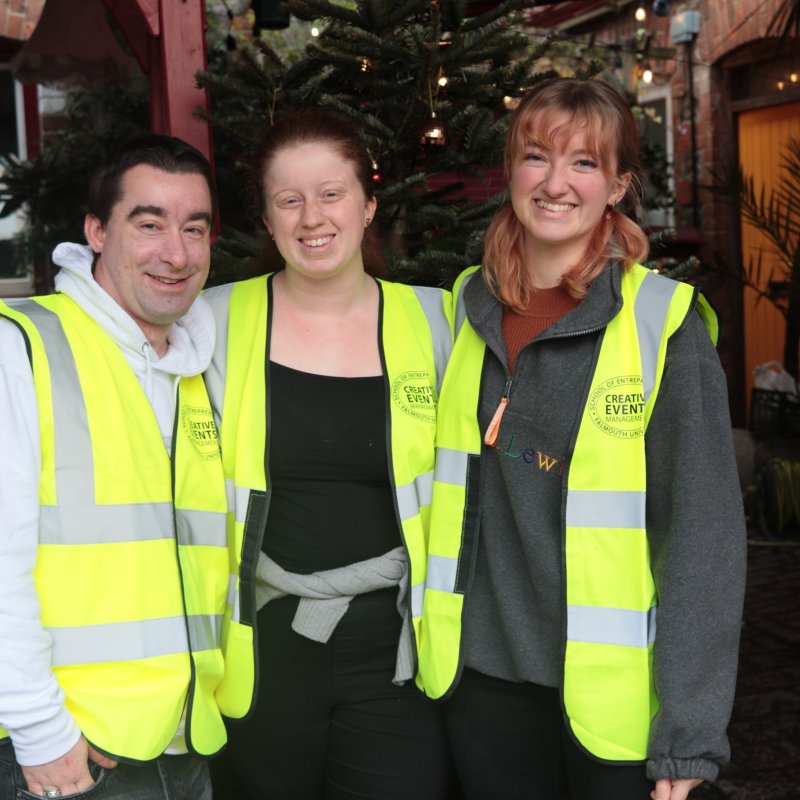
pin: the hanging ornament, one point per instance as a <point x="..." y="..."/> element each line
<point x="376" y="176"/>
<point x="433" y="134"/>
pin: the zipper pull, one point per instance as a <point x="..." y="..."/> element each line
<point x="490" y="437"/>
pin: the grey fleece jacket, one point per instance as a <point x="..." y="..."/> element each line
<point x="514" y="619"/>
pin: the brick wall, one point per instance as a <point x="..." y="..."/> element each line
<point x="727" y="29"/>
<point x="727" y="26"/>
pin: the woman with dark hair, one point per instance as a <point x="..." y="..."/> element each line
<point x="326" y="380"/>
<point x="587" y="545"/>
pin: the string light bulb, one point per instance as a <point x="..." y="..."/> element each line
<point x="640" y="13"/>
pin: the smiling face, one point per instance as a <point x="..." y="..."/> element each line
<point x="559" y="192"/>
<point x="154" y="251"/>
<point x="316" y="209"/>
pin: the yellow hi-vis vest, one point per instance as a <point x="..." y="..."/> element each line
<point x="608" y="691"/>
<point x="132" y="565"/>
<point x="416" y="336"/>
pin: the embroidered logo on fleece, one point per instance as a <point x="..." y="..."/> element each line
<point x="413" y="392"/>
<point x="616" y="406"/>
<point x="198" y="425"/>
<point x="537" y="458"/>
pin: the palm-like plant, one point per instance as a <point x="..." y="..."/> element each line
<point x="777" y="217"/>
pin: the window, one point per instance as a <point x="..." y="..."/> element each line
<point x="15" y="277"/>
<point x="655" y="120"/>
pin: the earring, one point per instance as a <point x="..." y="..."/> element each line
<point x="609" y="209"/>
<point x="367" y="222"/>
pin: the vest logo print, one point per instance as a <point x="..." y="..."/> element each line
<point x="616" y="406"/>
<point x="413" y="392"/>
<point x="198" y="425"/>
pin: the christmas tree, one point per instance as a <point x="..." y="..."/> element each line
<point x="428" y="83"/>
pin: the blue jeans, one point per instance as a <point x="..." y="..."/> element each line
<point x="166" y="778"/>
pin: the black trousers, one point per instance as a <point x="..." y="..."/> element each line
<point x="509" y="741"/>
<point x="328" y="722"/>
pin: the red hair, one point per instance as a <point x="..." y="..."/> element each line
<point x="613" y="137"/>
<point x="342" y="135"/>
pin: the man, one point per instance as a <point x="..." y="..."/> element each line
<point x="113" y="566"/>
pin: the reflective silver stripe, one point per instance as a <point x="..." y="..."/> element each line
<point x="431" y="302"/>
<point x="219" y="300"/>
<point x="461" y="310"/>
<point x="205" y="631"/>
<point x="650" y="311"/>
<point x="137" y="522"/>
<point x="412" y="496"/>
<point x="232" y="598"/>
<point x="83" y="522"/>
<point x="241" y="500"/>
<point x="591" y="509"/>
<point x="118" y="641"/>
<point x="73" y="444"/>
<point x="131" y="641"/>
<point x="441" y="573"/>
<point x="621" y="626"/>
<point x="201" y="528"/>
<point x="451" y="466"/>
<point x="236" y="614"/>
<point x="417" y="597"/>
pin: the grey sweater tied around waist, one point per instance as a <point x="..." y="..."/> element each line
<point x="325" y="597"/>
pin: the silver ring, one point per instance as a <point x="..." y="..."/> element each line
<point x="52" y="793"/>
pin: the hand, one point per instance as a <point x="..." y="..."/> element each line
<point x="69" y="774"/>
<point x="101" y="760"/>
<point x="674" y="789"/>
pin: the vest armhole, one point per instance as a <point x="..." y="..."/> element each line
<point x="700" y="304"/>
<point x="469" y="531"/>
<point x="25" y="337"/>
<point x="709" y="315"/>
<point x="255" y="519"/>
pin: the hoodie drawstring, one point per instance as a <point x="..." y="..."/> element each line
<point x="148" y="370"/>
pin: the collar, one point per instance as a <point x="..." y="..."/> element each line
<point x="602" y="303"/>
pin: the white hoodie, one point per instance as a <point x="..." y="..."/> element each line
<point x="31" y="701"/>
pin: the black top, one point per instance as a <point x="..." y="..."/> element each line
<point x="331" y="499"/>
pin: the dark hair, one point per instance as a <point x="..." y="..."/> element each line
<point x="166" y="153"/>
<point x="612" y="136"/>
<point x="340" y="133"/>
